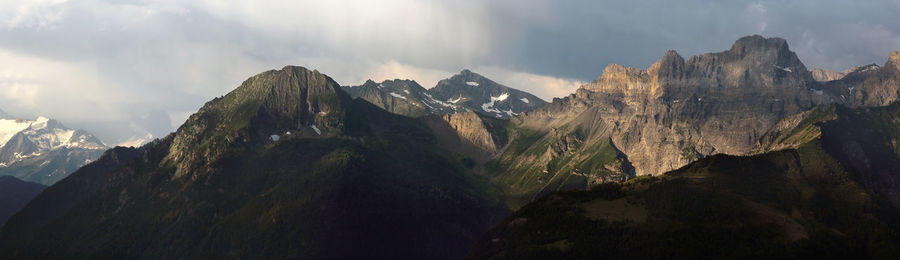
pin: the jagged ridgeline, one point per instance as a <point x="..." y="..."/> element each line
<point x="285" y="166"/>
<point x="466" y="91"/>
<point x="43" y="150"/>
<point x="825" y="186"/>
<point x="633" y="122"/>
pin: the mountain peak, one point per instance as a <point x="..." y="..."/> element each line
<point x="755" y="42"/>
<point x="670" y="65"/>
<point x="893" y="59"/>
<point x="293" y="99"/>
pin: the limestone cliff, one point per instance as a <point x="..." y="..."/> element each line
<point x="677" y="111"/>
<point x="869" y="85"/>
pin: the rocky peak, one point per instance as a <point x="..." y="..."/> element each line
<point x="893" y="62"/>
<point x="475" y="92"/>
<point x="748" y="45"/>
<point x="292" y="101"/>
<point x="471" y="79"/>
<point x="671" y="65"/>
<point x="823" y="75"/>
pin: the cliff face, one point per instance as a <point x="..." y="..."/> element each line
<point x="869" y="85"/>
<point x="677" y="111"/>
<point x="823" y="75"/>
<point x="469" y="134"/>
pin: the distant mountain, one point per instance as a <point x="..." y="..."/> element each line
<point x="285" y="166"/>
<point x="43" y="150"/>
<point x="404" y="97"/>
<point x="826" y="186"/>
<point x="14" y="194"/>
<point x="480" y="94"/>
<point x="869" y="85"/>
<point x="466" y="91"/>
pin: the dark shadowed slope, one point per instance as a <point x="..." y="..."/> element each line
<point x="832" y="193"/>
<point x="284" y="166"/>
<point x="14" y="194"/>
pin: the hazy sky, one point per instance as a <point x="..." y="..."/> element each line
<point x="120" y="68"/>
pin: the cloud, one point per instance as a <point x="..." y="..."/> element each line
<point x="90" y="61"/>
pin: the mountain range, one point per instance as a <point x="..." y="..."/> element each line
<point x="43" y="150"/>
<point x="466" y="91"/>
<point x="740" y="153"/>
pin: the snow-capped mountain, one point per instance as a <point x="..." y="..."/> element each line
<point x="43" y="150"/>
<point x="466" y="91"/>
<point x="404" y="97"/>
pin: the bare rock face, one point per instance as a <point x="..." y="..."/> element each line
<point x="823" y="75"/>
<point x="678" y="111"/>
<point x="869" y="85"/>
<point x="471" y="127"/>
<point x="469" y="134"/>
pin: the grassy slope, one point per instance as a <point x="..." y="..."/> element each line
<point x="787" y="203"/>
<point x="816" y="199"/>
<point x="525" y="171"/>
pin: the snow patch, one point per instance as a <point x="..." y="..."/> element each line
<point x="442" y="103"/>
<point x="489" y="106"/>
<point x="380" y="85"/>
<point x="454" y="101"/>
<point x="472" y="83"/>
<point x="9" y="128"/>
<point x="275" y="137"/>
<point x="407" y="91"/>
<point x="783" y="68"/>
<point x="525" y="100"/>
<point x="869" y="68"/>
<point x="510" y="112"/>
<point x="314" y="128"/>
<point x="397" y="95"/>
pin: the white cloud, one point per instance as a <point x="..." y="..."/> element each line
<point x="36" y="14"/>
<point x="96" y="60"/>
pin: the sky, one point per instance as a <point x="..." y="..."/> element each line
<point x="124" y="69"/>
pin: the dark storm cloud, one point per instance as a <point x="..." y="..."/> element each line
<point x="584" y="36"/>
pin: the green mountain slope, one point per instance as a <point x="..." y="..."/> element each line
<point x="831" y="193"/>
<point x="284" y="166"/>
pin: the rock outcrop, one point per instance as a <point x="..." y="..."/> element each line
<point x="823" y="75"/>
<point x="677" y="111"/>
